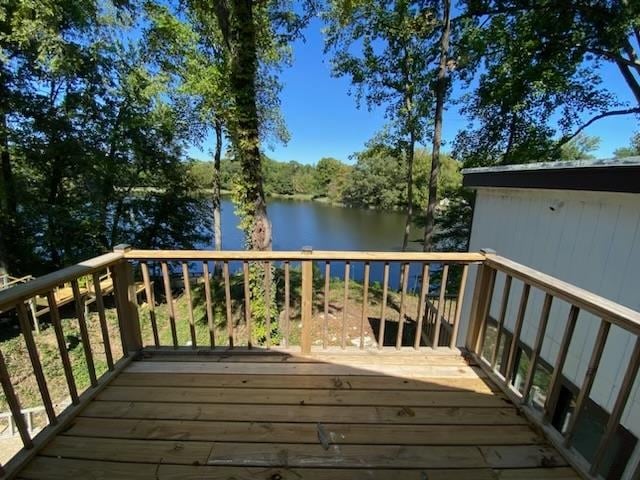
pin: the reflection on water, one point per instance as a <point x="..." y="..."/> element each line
<point x="298" y="224"/>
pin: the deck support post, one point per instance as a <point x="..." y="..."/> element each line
<point x="126" y="303"/>
<point x="479" y="306"/>
<point x="307" y="302"/>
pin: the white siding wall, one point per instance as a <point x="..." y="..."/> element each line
<point x="590" y="239"/>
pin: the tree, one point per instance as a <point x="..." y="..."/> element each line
<point x="385" y="49"/>
<point x="331" y="177"/>
<point x="190" y="50"/>
<point x="540" y="74"/>
<point x="94" y="144"/>
<point x="378" y="179"/>
<point x="252" y="33"/>
<point x="579" y="148"/>
<point x="632" y="150"/>
<point x="440" y="97"/>
<point x="24" y="56"/>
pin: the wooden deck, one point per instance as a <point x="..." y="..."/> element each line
<point x="329" y="416"/>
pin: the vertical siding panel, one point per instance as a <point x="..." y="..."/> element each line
<point x="593" y="241"/>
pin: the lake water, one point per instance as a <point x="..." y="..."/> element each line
<point x="297" y="224"/>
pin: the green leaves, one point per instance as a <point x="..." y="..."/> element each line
<point x="539" y="73"/>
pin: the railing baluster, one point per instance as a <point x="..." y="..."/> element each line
<point x="247" y="302"/>
<point x="169" y="299"/>
<point x="187" y="291"/>
<point x="480" y="304"/>
<point x="306" y="312"/>
<point x="54" y="315"/>
<point x="227" y="296"/>
<point x="148" y="293"/>
<point x="365" y="301"/>
<point x="503" y="313"/>
<point x="554" y="384"/>
<point x="537" y="348"/>
<point x="618" y="408"/>
<point x="209" y="305"/>
<point x="441" y="305"/>
<point x="403" y="295"/>
<point x="589" y="377"/>
<point x="267" y="301"/>
<point x="383" y="311"/>
<point x="287" y="302"/>
<point x="424" y="289"/>
<point x="343" y="339"/>
<point x="515" y="338"/>
<point x="126" y="303"/>
<point x="104" y="329"/>
<point x="458" y="310"/>
<point x="487" y="286"/>
<point x="25" y="326"/>
<point x="14" y="404"/>
<point x="327" y="285"/>
<point x="84" y="334"/>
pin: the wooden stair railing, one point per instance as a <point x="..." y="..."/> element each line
<point x="17" y="297"/>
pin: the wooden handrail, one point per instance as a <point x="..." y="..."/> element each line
<point x="123" y="261"/>
<point x="617" y="314"/>
<point x="39" y="286"/>
<point x="579" y="300"/>
<point x="256" y="255"/>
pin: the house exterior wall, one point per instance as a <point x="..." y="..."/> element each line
<point x="590" y="239"/>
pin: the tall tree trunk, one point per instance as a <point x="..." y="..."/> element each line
<point x="244" y="69"/>
<point x="216" y="200"/>
<point x="441" y="92"/>
<point x="8" y="202"/>
<point x="54" y="196"/>
<point x="410" y="159"/>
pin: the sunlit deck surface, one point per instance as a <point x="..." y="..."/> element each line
<point x="329" y="416"/>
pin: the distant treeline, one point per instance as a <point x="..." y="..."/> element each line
<point x="376" y="180"/>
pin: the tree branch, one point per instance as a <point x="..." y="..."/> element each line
<point x="611" y="113"/>
<point x="632" y="82"/>
<point x="615" y="57"/>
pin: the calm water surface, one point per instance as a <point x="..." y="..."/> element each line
<point x="297" y="224"/>
<point x="324" y="227"/>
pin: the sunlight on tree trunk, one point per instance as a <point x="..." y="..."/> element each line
<point x="241" y="40"/>
<point x="441" y="91"/>
<point x="409" y="221"/>
<point x="217" y="226"/>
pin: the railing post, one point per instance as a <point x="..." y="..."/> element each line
<point x="126" y="303"/>
<point x="479" y="305"/>
<point x="307" y="302"/>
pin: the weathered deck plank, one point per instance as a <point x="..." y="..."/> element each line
<point x="289" y="432"/>
<point x="294" y="396"/>
<point x="49" y="468"/>
<point x="315" y="382"/>
<point x="249" y="368"/>
<point x="329" y="417"/>
<point x="307" y="413"/>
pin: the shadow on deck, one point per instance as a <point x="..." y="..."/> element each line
<point x="328" y="416"/>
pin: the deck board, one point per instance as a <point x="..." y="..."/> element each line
<point x="326" y="417"/>
<point x="50" y="468"/>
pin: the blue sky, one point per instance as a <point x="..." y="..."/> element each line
<point x="324" y="121"/>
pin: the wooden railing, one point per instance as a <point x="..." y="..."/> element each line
<point x="315" y="301"/>
<point x="560" y="429"/>
<point x="16" y="298"/>
<point x="272" y="276"/>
